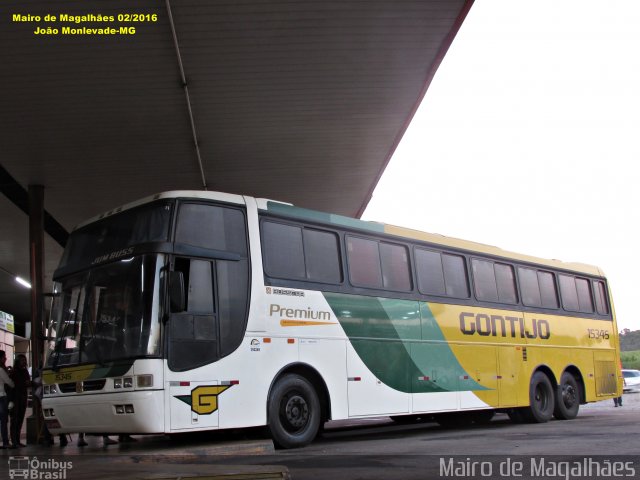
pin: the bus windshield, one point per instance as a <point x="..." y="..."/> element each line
<point x="115" y="236"/>
<point x="107" y="313"/>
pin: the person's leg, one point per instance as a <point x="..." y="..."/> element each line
<point x="4" y="418"/>
<point x="17" y="420"/>
<point x="48" y="438"/>
<point x="13" y="421"/>
<point x="23" y="413"/>
<point x="81" y="441"/>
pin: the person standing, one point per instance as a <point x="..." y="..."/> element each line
<point x="4" y="402"/>
<point x="617" y="401"/>
<point x="21" y="380"/>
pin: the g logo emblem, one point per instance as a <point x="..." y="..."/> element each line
<point x="204" y="399"/>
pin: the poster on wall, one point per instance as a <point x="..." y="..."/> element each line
<point x="6" y="322"/>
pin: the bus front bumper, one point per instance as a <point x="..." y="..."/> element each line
<point x="134" y="412"/>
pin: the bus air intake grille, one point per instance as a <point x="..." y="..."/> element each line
<point x="87" y="386"/>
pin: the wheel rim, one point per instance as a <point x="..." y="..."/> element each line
<point x="541" y="398"/>
<point x="569" y="395"/>
<point x="294" y="412"/>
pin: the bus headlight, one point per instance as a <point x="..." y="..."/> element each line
<point x="126" y="382"/>
<point x="144" y="381"/>
<point x="50" y="389"/>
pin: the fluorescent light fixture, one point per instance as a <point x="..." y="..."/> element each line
<point x="23" y="282"/>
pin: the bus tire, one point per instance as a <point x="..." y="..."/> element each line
<point x="567" y="398"/>
<point x="294" y="412"/>
<point x="541" y="399"/>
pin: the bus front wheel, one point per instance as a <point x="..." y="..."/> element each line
<point x="294" y="412"/>
<point x="567" y="398"/>
<point x="541" y="399"/>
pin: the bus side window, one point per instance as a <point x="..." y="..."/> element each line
<point x="283" y="251"/>
<point x="322" y="256"/>
<point x="441" y="274"/>
<point x="506" y="283"/>
<point x="294" y="253"/>
<point x="363" y="257"/>
<point x="396" y="274"/>
<point x="529" y="287"/>
<point x="212" y="226"/>
<point x="548" y="290"/>
<point x="430" y="272"/>
<point x="576" y="294"/>
<point x="200" y="288"/>
<point x="601" y="298"/>
<point x="494" y="282"/>
<point x="585" y="299"/>
<point x="455" y="275"/>
<point x="484" y="279"/>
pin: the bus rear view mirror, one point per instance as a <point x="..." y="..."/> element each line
<point x="176" y="292"/>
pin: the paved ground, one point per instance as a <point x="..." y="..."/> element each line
<point x="364" y="449"/>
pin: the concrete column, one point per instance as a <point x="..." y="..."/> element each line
<point x="36" y="254"/>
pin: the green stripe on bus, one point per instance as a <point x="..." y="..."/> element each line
<point x="322" y="217"/>
<point x="401" y="343"/>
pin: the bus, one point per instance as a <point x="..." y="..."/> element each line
<point x="190" y="311"/>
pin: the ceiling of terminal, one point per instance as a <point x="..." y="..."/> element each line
<point x="300" y="101"/>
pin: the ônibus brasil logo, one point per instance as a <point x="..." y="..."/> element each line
<point x="33" y="468"/>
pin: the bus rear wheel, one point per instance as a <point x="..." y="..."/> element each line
<point x="294" y="412"/>
<point x="567" y="398"/>
<point x="541" y="399"/>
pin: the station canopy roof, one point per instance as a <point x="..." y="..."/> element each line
<point x="300" y="101"/>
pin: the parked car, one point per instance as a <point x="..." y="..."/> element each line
<point x="631" y="380"/>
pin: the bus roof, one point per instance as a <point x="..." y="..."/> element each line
<point x="289" y="210"/>
<point x="202" y="194"/>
